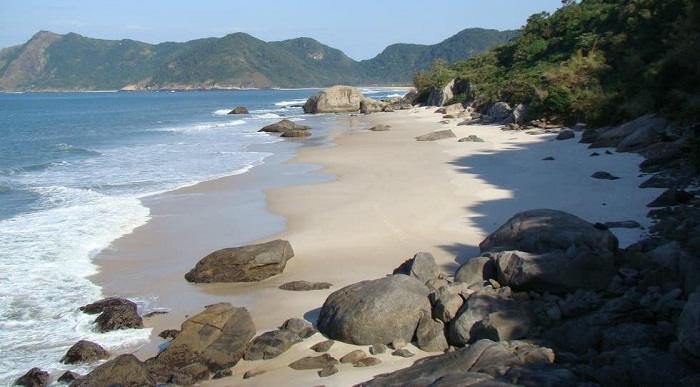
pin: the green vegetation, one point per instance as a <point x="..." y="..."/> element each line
<point x="594" y="61"/>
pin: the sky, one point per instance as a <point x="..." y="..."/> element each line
<point x="359" y="28"/>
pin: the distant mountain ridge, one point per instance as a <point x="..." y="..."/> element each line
<point x="71" y="62"/>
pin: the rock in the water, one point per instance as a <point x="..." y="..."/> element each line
<point x="303" y="286"/>
<point x="436" y="135"/>
<point x="243" y="264"/>
<point x="84" y="351"/>
<point x="314" y="362"/>
<point x="168" y="334"/>
<point x="287" y="128"/>
<point x="69" y="376"/>
<point x="484" y="356"/>
<point x="35" y="377"/>
<point x="550" y="250"/>
<point x="124" y="370"/>
<point x="565" y="134"/>
<point x="210" y="341"/>
<point x="239" y="110"/>
<point x="269" y="345"/>
<point x="422" y="266"/>
<point x="375" y="312"/>
<point x="336" y="99"/>
<point x="115" y="313"/>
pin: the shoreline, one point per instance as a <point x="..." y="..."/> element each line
<point x="385" y="197"/>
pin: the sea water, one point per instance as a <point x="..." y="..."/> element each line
<point x="73" y="170"/>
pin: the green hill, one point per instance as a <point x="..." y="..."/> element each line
<point x="52" y="62"/>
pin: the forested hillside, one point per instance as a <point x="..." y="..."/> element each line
<point x="594" y="61"/>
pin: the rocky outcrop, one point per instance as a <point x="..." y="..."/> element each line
<point x="550" y="250"/>
<point x="442" y="96"/>
<point x="84" y="351"/>
<point x="375" y="312"/>
<point x="212" y="340"/>
<point x="336" y="99"/>
<point x="243" y="264"/>
<point x="115" y="313"/>
<point x="124" y="370"/>
<point x="633" y="135"/>
<point x="287" y="128"/>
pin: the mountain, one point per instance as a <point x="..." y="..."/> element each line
<point x="71" y="62"/>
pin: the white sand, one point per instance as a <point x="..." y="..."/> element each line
<point x="395" y="196"/>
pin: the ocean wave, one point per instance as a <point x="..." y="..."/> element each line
<point x="293" y="102"/>
<point x="75" y="149"/>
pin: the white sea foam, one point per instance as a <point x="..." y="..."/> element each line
<point x="291" y="103"/>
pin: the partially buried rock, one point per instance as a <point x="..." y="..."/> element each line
<point x="471" y="138"/>
<point x="323" y="346"/>
<point x="604" y="176"/>
<point x="271" y="344"/>
<point x="327" y="371"/>
<point x="35" y="377"/>
<point x="115" y="313"/>
<point x="84" y="351"/>
<point x="303" y="286"/>
<point x="314" y="362"/>
<point x="437" y="135"/>
<point x="243" y="264"/>
<point x="380" y="128"/>
<point x="69" y="376"/>
<point x="367" y="362"/>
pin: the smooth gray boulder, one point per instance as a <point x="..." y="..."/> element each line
<point x="336" y="99"/>
<point x="551" y="250"/>
<point x="376" y="311"/>
<point x="243" y="264"/>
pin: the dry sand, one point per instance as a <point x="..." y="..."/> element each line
<point x="385" y="197"/>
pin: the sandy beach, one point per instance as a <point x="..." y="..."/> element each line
<point x="356" y="210"/>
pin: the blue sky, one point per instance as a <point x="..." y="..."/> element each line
<point x="360" y="28"/>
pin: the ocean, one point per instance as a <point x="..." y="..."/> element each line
<point x="74" y="168"/>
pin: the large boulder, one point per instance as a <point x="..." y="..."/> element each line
<point x="447" y="93"/>
<point x="243" y="264"/>
<point x="336" y="99"/>
<point x="210" y="341"/>
<point x="632" y="135"/>
<point x="84" y="351"/>
<point x="124" y="370"/>
<point x="287" y="128"/>
<point x="115" y="313"/>
<point x="376" y="311"/>
<point x="484" y="359"/>
<point x="551" y="250"/>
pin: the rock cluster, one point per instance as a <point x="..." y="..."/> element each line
<point x="349" y="99"/>
<point x="287" y="128"/>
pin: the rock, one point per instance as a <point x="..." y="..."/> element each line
<point x="565" y="134"/>
<point x="377" y="349"/>
<point x="353" y="356"/>
<point x="115" y="313"/>
<point x="210" y="341"/>
<point x="303" y="286"/>
<point x="403" y="352"/>
<point x="541" y="374"/>
<point x="473" y="320"/>
<point x="327" y="371"/>
<point x="471" y="138"/>
<point x="287" y="128"/>
<point x="672" y="197"/>
<point x="314" y="362"/>
<point x="35" y="377"/>
<point x="336" y="99"/>
<point x="447" y="306"/>
<point x="501" y="113"/>
<point x="551" y="250"/>
<point x="519" y="114"/>
<point x="623" y="224"/>
<point x="375" y="311"/>
<point x="437" y="135"/>
<point x="484" y="357"/>
<point x="243" y="264"/>
<point x="430" y="335"/>
<point x="69" y="376"/>
<point x="367" y="362"/>
<point x="369" y="106"/>
<point x="380" y="128"/>
<point x="689" y="329"/>
<point x="422" y="267"/>
<point x="454" y="87"/>
<point x="301" y="327"/>
<point x="124" y="370"/>
<point x="222" y="374"/>
<point x="589" y="136"/>
<point x="84" y="351"/>
<point x="323" y="346"/>
<point x="271" y="344"/>
<point x="239" y="110"/>
<point x="296" y="133"/>
<point x="649" y="129"/>
<point x="453" y="110"/>
<point x="253" y="373"/>
<point x="476" y="271"/>
<point x="604" y="176"/>
<point x="168" y="334"/>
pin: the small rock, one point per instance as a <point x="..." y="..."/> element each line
<point x="253" y="373"/>
<point x="302" y="286"/>
<point x="623" y="224"/>
<point x="377" y="349"/>
<point x="69" y="376"/>
<point x="548" y="158"/>
<point x="604" y="176"/>
<point x="367" y="362"/>
<point x="353" y="357"/>
<point x="437" y="135"/>
<point x="220" y="374"/>
<point x="327" y="371"/>
<point x="314" y="362"/>
<point x="169" y="334"/>
<point x="403" y="352"/>
<point x="565" y="134"/>
<point x="471" y="138"/>
<point x="323" y="346"/>
<point x="239" y="110"/>
<point x="380" y="128"/>
<point x="299" y="326"/>
<point x="398" y="344"/>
